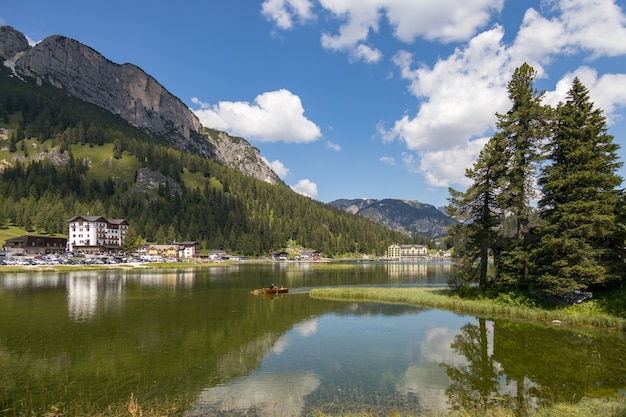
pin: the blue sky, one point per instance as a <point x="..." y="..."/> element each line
<point x="355" y="98"/>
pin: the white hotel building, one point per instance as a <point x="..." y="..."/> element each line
<point x="406" y="251"/>
<point x="96" y="234"/>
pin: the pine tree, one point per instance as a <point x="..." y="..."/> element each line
<point x="579" y="199"/>
<point x="477" y="206"/>
<point x="132" y="241"/>
<point x="521" y="129"/>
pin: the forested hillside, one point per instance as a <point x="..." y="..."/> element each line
<point x="61" y="157"/>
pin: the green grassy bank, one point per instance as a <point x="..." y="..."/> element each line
<point x="584" y="314"/>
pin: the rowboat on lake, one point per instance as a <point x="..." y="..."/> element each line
<point x="274" y="290"/>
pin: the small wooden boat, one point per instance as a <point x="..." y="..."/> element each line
<point x="275" y="290"/>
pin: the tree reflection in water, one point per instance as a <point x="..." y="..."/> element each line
<point x="475" y="385"/>
<point x="521" y="366"/>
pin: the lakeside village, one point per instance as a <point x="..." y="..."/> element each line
<point x="98" y="240"/>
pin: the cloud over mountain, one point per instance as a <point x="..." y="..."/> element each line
<point x="274" y="116"/>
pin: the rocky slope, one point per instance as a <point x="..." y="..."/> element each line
<point x="126" y="90"/>
<point x="402" y="215"/>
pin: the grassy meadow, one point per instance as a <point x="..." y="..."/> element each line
<point x="10" y="232"/>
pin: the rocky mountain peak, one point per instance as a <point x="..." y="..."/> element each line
<point x="11" y="42"/>
<point x="125" y="90"/>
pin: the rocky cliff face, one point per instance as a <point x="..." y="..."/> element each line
<point x="240" y="155"/>
<point x="125" y="90"/>
<point x="11" y="42"/>
<point x="353" y="206"/>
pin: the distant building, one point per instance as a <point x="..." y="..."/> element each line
<point x="34" y="244"/>
<point x="176" y="249"/>
<point x="399" y="251"/>
<point x="218" y="254"/>
<point x="310" y="254"/>
<point x="279" y="255"/>
<point x="96" y="234"/>
<point x="165" y="251"/>
<point x="187" y="249"/>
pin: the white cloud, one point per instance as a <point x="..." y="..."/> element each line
<point x="361" y="17"/>
<point x="608" y="92"/>
<point x="387" y="160"/>
<point x="278" y="168"/>
<point x="284" y="11"/>
<point x="273" y="117"/>
<point x="537" y="40"/>
<point x="596" y="25"/>
<point x="446" y="167"/>
<point x="460" y="94"/>
<point x="366" y="53"/>
<point x="306" y="187"/>
<point x="335" y="147"/>
<point x="444" y="20"/>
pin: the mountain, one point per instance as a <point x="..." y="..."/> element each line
<point x="80" y="134"/>
<point x="405" y="216"/>
<point x="127" y="91"/>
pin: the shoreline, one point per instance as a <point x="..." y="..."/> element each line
<point x="440" y="298"/>
<point x="10" y="269"/>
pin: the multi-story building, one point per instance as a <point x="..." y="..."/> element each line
<point x="96" y="234"/>
<point x="400" y="251"/>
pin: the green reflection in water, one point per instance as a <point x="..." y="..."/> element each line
<point x="84" y="341"/>
<point x="523" y="365"/>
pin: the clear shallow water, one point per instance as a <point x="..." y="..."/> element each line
<point x="201" y="340"/>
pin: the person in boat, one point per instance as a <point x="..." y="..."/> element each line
<point x="272" y="287"/>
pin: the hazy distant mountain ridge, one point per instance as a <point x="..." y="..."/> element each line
<point x="405" y="216"/>
<point x="126" y="90"/>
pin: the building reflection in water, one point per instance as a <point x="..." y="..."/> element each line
<point x="16" y="282"/>
<point x="421" y="272"/>
<point x="89" y="293"/>
<point x="84" y="291"/>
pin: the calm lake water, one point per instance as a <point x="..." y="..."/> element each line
<point x="199" y="343"/>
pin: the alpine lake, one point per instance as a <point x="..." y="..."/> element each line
<point x="198" y="342"/>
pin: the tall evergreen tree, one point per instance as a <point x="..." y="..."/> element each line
<point x="522" y="129"/>
<point x="579" y="198"/>
<point x="477" y="208"/>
